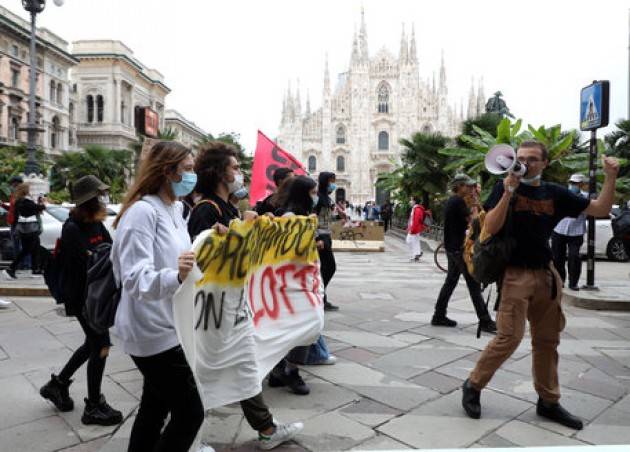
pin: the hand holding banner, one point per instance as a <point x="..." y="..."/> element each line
<point x="255" y="294"/>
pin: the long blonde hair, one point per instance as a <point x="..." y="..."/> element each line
<point x="162" y="159"/>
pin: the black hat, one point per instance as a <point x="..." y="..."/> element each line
<point x="16" y="180"/>
<point x="86" y="188"/>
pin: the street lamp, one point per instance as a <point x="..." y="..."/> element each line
<point x="34" y="7"/>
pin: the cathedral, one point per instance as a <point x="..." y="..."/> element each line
<point x="376" y="102"/>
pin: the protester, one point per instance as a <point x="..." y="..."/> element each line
<point x="151" y="257"/>
<point x="28" y="228"/>
<point x="279" y="175"/>
<point x="323" y="209"/>
<point x="80" y="235"/>
<point x="386" y="214"/>
<point x="219" y="176"/>
<point x="531" y="287"/>
<point x="300" y="199"/>
<point x="569" y="234"/>
<point x="415" y="226"/>
<point x="11" y="219"/>
<point x="457" y="217"/>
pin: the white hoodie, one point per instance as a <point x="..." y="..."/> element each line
<point x="149" y="238"/>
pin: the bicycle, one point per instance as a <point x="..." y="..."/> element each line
<point x="439" y="257"/>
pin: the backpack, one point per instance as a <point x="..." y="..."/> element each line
<point x="427" y="219"/>
<point x="103" y="292"/>
<point x="487" y="256"/>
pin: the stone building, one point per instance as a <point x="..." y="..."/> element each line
<point x="110" y="82"/>
<point x="54" y="103"/>
<point x="378" y="100"/>
<point x="188" y="133"/>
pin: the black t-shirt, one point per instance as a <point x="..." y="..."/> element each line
<point x="205" y="215"/>
<point x="264" y="206"/>
<point x="78" y="240"/>
<point x="456" y="215"/>
<point x="536" y="211"/>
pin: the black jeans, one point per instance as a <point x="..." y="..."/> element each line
<point x="30" y="246"/>
<point x="257" y="413"/>
<point x="457" y="267"/>
<point x="559" y="245"/>
<point x="90" y="351"/>
<point x="387" y="223"/>
<point x="169" y="387"/>
<point x="328" y="266"/>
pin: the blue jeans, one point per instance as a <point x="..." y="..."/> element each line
<point x="311" y="354"/>
<point x="25" y="262"/>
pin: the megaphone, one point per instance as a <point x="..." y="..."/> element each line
<point x="501" y="159"/>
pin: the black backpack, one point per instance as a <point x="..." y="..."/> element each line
<point x="490" y="257"/>
<point x="103" y="292"/>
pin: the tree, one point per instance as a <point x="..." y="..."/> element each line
<point x="12" y="162"/>
<point x="111" y="166"/>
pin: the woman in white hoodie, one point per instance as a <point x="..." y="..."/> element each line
<point x="151" y="257"/>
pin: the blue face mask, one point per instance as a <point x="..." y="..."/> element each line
<point x="186" y="185"/>
<point x="241" y="193"/>
<point x="574" y="189"/>
<point x="332" y="187"/>
<point x="315" y="199"/>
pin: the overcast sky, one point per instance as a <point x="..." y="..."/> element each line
<point x="228" y="62"/>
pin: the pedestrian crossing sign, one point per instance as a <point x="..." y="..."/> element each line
<point x="594" y="101"/>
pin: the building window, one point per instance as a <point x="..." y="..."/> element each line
<point x="99" y="106"/>
<point x="15" y="129"/>
<point x="383" y="141"/>
<point x="53" y="91"/>
<point x="341" y="164"/>
<point x="15" y="51"/>
<point x="312" y="163"/>
<point x="70" y="138"/>
<point x="71" y="112"/>
<point x="54" y="133"/>
<point x="122" y="112"/>
<point x="59" y="93"/>
<point x="341" y="135"/>
<point x="90" y="109"/>
<point x="383" y="98"/>
<point x="15" y="77"/>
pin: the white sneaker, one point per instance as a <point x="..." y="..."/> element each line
<point x="283" y="433"/>
<point x="7" y="275"/>
<point x="205" y="448"/>
<point x="332" y="359"/>
<point x="4" y="303"/>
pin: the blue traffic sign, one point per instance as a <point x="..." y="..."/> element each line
<point x="594" y="101"/>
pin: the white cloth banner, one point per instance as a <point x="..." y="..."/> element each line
<point x="255" y="293"/>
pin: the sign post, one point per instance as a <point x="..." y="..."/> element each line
<point x="594" y="106"/>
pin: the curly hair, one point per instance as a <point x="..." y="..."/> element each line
<point x="210" y="164"/>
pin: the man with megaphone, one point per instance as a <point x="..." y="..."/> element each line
<point x="531" y="287"/>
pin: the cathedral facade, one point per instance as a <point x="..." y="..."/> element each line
<point x="376" y="102"/>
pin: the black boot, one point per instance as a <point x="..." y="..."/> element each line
<point x="100" y="413"/>
<point x="57" y="392"/>
<point x="328" y="306"/>
<point x="556" y="413"/>
<point x="488" y="326"/>
<point x="443" y="321"/>
<point x="470" y="400"/>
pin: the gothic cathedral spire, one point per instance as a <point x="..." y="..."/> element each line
<point x="363" y="45"/>
<point x="472" y="101"/>
<point x="355" y="57"/>
<point x="481" y="98"/>
<point x="326" y="78"/>
<point x="413" y="54"/>
<point x="443" y="87"/>
<point x="404" y="49"/>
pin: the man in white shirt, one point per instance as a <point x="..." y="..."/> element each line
<point x="568" y="235"/>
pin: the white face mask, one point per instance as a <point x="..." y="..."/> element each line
<point x="236" y="184"/>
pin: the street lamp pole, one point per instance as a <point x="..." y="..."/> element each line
<point x="32" y="167"/>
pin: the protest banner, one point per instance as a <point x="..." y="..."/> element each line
<point x="254" y="294"/>
<point x="267" y="159"/>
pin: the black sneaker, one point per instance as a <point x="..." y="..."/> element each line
<point x="57" y="392"/>
<point x="488" y="326"/>
<point x="471" y="400"/>
<point x="556" y="413"/>
<point x="100" y="413"/>
<point x="443" y="321"/>
<point x="296" y="384"/>
<point x="275" y="381"/>
<point x="330" y="307"/>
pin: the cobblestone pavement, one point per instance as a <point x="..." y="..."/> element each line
<point x="396" y="384"/>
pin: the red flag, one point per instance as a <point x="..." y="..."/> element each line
<point x="267" y="159"/>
